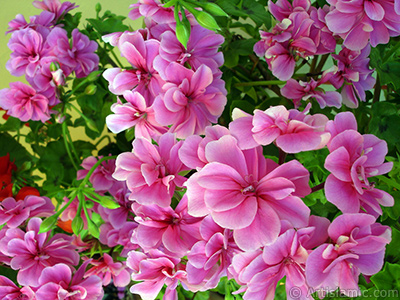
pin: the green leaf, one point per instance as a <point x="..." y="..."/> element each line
<point x="392" y="250"/>
<point x="16" y="150"/>
<point x="112" y="24"/>
<point x="12" y="124"/>
<point x="257" y="13"/>
<point x="388" y="280"/>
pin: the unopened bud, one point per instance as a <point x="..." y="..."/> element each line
<point x="91" y="125"/>
<point x="48" y="224"/>
<point x="58" y="77"/>
<point x="93" y="76"/>
<point x="77" y="224"/>
<point x="214" y="9"/>
<point x="98" y="7"/>
<point x="91" y="89"/>
<point x="60" y="118"/>
<point x="206" y="20"/>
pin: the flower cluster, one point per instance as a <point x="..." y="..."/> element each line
<point x="44" y="53"/>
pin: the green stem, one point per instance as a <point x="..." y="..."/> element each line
<point x="257" y="83"/>
<point x="321" y="63"/>
<point x="64" y="130"/>
<point x="377" y="89"/>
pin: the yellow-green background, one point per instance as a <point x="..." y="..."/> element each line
<point x="9" y="9"/>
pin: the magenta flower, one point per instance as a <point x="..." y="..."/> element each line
<point x="108" y="270"/>
<point x="360" y="22"/>
<point x="282" y="9"/>
<point x="36" y="252"/>
<point x="78" y="55"/>
<point x="112" y="236"/>
<point x="150" y="171"/>
<point x="202" y="49"/>
<point x="57" y="282"/>
<point x="155" y="269"/>
<point x="247" y="193"/>
<point x="13" y="213"/>
<point x="23" y="102"/>
<point x="209" y="258"/>
<point x="55" y="6"/>
<point x="300" y="90"/>
<point x="191" y="101"/>
<point x="353" y="159"/>
<point x="9" y="291"/>
<point x="144" y="79"/>
<point x="354" y="72"/>
<point x="358" y="246"/>
<point x="28" y="49"/>
<point x="135" y="113"/>
<point x="259" y="271"/>
<point x="152" y="9"/>
<point x="175" y="229"/>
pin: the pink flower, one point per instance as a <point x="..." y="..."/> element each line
<point x="28" y="49"/>
<point x="301" y="90"/>
<point x="247" y="193"/>
<point x="352" y="160"/>
<point x="175" y="229"/>
<point x="150" y="171"/>
<point x="57" y="282"/>
<point x="358" y="246"/>
<point x="108" y="270"/>
<point x="78" y="55"/>
<point x="23" y="102"/>
<point x="192" y="152"/>
<point x="152" y="9"/>
<point x="155" y="269"/>
<point x="112" y="236"/>
<point x="13" y="213"/>
<point x="9" y="291"/>
<point x="140" y="53"/>
<point x="191" y="100"/>
<point x="360" y="22"/>
<point x="134" y="113"/>
<point x="101" y="178"/>
<point x="55" y="6"/>
<point x="282" y="9"/>
<point x="292" y="131"/>
<point x="354" y="72"/>
<point x="35" y="252"/>
<point x="202" y="49"/>
<point x="209" y="258"/>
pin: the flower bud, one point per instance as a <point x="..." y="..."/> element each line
<point x="48" y="224"/>
<point x="77" y="224"/>
<point x="98" y="7"/>
<point x="54" y="66"/>
<point x="91" y="89"/>
<point x="58" y="77"/>
<point x="214" y="9"/>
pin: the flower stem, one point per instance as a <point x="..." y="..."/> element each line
<point x="65" y="138"/>
<point x="257" y="83"/>
<point x="318" y="187"/>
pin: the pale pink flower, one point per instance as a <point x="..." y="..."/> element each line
<point x="150" y="171"/>
<point x="13" y="213"/>
<point x="36" y="251"/>
<point x="358" y="246"/>
<point x="247" y="193"/>
<point x="352" y="160"/>
<point x="23" y="102"/>
<point x="108" y="271"/>
<point x="40" y="23"/>
<point x="134" y="113"/>
<point x="191" y="101"/>
<point x="58" y="282"/>
<point x="111" y="236"/>
<point x="175" y="229"/>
